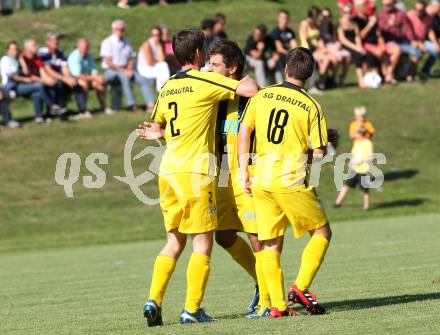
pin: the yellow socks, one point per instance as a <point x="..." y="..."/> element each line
<point x="312" y="257"/>
<point x="242" y="253"/>
<point x="163" y="269"/>
<point x="197" y="277"/>
<point x="274" y="278"/>
<point x="264" y="301"/>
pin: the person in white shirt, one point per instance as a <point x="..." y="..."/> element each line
<point x="25" y="76"/>
<point x="151" y="64"/>
<point x="118" y="62"/>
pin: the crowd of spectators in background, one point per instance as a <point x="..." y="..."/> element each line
<point x="383" y="47"/>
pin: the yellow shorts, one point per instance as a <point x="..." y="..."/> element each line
<point x="188" y="202"/>
<point x="274" y="211"/>
<point x="236" y="209"/>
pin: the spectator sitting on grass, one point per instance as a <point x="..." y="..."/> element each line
<point x="433" y="10"/>
<point x="219" y="27"/>
<point x="350" y="39"/>
<point x="260" y="54"/>
<point x="361" y="121"/>
<point x="399" y="38"/>
<point x="83" y="68"/>
<point x="284" y="39"/>
<point x="151" y="64"/>
<point x="25" y="75"/>
<point x="421" y="24"/>
<point x="359" y="167"/>
<point x="207" y="27"/>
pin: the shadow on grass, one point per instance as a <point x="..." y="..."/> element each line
<point x="347" y="305"/>
<point x="404" y="174"/>
<point x="401" y="203"/>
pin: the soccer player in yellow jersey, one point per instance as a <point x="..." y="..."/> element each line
<point x="236" y="212"/>
<point x="186" y="109"/>
<point x="286" y="121"/>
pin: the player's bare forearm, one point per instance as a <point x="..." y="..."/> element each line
<point x="243" y="156"/>
<point x="247" y="87"/>
<point x="150" y="131"/>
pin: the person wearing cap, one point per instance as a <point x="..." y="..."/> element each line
<point x="360" y="121"/>
<point x="359" y="167"/>
<point x="260" y="54"/>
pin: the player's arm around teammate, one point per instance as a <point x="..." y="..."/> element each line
<point x="284" y="117"/>
<point x="185" y="109"/>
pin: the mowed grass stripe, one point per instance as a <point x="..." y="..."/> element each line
<point x="376" y="280"/>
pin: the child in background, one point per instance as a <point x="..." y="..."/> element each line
<point x="361" y="156"/>
<point x="360" y="121"/>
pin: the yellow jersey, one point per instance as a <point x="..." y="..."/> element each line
<point x="187" y="105"/>
<point x="355" y="125"/>
<point x="287" y="122"/>
<point x="361" y="155"/>
<point x="228" y="121"/>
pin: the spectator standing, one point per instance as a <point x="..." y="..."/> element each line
<point x="284" y="39"/>
<point x="55" y="65"/>
<point x="118" y="62"/>
<point x="361" y="121"/>
<point x="25" y="75"/>
<point x="350" y="39"/>
<point x="151" y="65"/>
<point x="260" y="55"/>
<point x="219" y="27"/>
<point x="82" y="66"/>
<point x="359" y="167"/>
<point x="170" y="58"/>
<point x="421" y="24"/>
<point x="399" y="38"/>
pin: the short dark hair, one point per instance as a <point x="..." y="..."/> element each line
<point x="300" y="63"/>
<point x="231" y="52"/>
<point x="185" y="45"/>
<point x="262" y="28"/>
<point x="284" y="11"/>
<point x="219" y="17"/>
<point x="11" y="43"/>
<point x="313" y="12"/>
<point x="422" y="2"/>
<point x="207" y="24"/>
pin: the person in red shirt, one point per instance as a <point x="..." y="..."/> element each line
<point x="421" y="24"/>
<point x="396" y="31"/>
<point x="31" y="81"/>
<point x="371" y="6"/>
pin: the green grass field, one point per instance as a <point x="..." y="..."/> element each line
<point x="380" y="277"/>
<point x="81" y="265"/>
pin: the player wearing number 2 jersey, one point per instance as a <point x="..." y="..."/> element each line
<point x="287" y="122"/>
<point x="186" y="109"/>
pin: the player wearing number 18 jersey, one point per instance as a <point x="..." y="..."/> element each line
<point x="286" y="121"/>
<point x="186" y="110"/>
